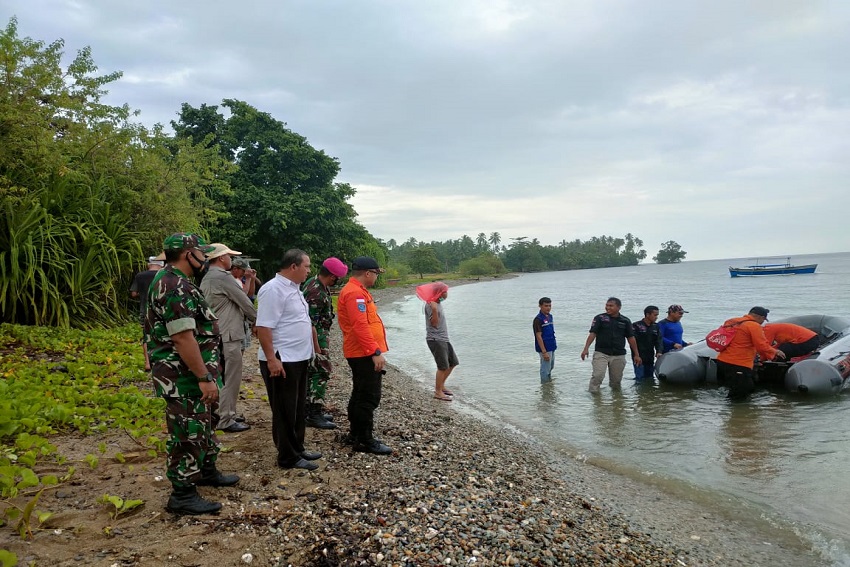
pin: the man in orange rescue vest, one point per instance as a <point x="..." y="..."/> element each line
<point x="364" y="342"/>
<point x="791" y="339"/>
<point x="735" y="363"/>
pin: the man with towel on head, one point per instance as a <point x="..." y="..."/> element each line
<point x="437" y="336"/>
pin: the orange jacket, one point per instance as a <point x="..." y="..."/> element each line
<point x="781" y="333"/>
<point x="362" y="328"/>
<point x="748" y="340"/>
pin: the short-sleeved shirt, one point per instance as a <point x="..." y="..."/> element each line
<point x="611" y="333"/>
<point x="282" y="308"/>
<point x="141" y="284"/>
<point x="648" y="339"/>
<point x="175" y="304"/>
<point x="441" y="331"/>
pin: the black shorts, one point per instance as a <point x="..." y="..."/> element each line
<point x="444" y="354"/>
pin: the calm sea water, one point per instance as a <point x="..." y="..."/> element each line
<point x="780" y="459"/>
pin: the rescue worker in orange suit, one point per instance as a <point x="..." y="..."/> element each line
<point x="793" y="340"/>
<point x="735" y="363"/>
<point x="364" y="342"/>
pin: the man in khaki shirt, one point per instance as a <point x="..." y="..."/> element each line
<point x="231" y="305"/>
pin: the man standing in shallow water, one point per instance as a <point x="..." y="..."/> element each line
<point x="610" y="330"/>
<point x="544" y="338"/>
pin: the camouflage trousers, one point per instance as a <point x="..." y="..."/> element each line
<point x="192" y="443"/>
<point x="318" y="374"/>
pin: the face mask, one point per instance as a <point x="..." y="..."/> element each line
<point x="202" y="269"/>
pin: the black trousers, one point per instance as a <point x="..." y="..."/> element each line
<point x="739" y="379"/>
<point x="287" y="398"/>
<point x="365" y="397"/>
<point x="793" y="351"/>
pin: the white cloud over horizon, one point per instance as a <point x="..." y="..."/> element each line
<point x="720" y="125"/>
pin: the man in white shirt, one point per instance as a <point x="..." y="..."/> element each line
<point x="287" y="343"/>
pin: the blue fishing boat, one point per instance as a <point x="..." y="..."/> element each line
<point x="772" y="269"/>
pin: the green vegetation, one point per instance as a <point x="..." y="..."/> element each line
<point x="670" y="253"/>
<point x="59" y="381"/>
<point x="283" y="193"/>
<point x="86" y="194"/>
<point x="119" y="506"/>
<point x="486" y="255"/>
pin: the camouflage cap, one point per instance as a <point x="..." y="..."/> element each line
<point x="239" y="262"/>
<point x="185" y="241"/>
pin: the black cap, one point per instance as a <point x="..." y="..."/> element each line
<point x="760" y="311"/>
<point x="365" y="263"/>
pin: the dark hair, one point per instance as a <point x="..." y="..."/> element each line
<point x="544" y="300"/>
<point x="649" y="309"/>
<point x="292" y="256"/>
<point x="324" y="272"/>
<point x="615" y="301"/>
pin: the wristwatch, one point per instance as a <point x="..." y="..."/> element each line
<point x="208" y="377"/>
<point x="377" y="352"/>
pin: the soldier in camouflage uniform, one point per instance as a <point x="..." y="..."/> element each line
<point x="182" y="335"/>
<point x="318" y="296"/>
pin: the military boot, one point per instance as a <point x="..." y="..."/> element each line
<point x="316" y="418"/>
<point x="211" y="476"/>
<point x="186" y="500"/>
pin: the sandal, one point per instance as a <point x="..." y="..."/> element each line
<point x="442" y="398"/>
<point x="448" y="392"/>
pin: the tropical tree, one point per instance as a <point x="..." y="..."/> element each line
<point x="494" y="240"/>
<point x="670" y="253"/>
<point x="82" y="190"/>
<point x="283" y="189"/>
<point x="423" y="261"/>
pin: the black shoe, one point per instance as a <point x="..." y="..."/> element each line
<point x="300" y="464"/>
<point x="373" y="446"/>
<point x="328" y="416"/>
<point x="311" y="455"/>
<point x="236" y="427"/>
<point x="214" y="477"/>
<point x="186" y="500"/>
<point x="239" y="419"/>
<point x="319" y="422"/>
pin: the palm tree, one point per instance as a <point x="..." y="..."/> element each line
<point x="481" y="242"/>
<point x="495" y="239"/>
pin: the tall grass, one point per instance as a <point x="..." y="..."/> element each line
<point x="65" y="258"/>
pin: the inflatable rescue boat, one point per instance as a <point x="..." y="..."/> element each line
<point x="823" y="372"/>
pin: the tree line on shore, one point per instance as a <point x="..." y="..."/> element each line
<point x="488" y="255"/>
<point x="87" y="193"/>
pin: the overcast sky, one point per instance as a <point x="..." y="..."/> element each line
<point x="721" y="124"/>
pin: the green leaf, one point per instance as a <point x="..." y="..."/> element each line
<point x="7" y="558"/>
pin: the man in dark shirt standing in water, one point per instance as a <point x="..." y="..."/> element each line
<point x="650" y="345"/>
<point x="610" y="330"/>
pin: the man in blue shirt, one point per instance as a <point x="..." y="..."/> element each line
<point x="671" y="329"/>
<point x="544" y="339"/>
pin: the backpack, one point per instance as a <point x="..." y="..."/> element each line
<point x="721" y="337"/>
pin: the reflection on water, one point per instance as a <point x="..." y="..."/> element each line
<point x="747" y="443"/>
<point x="778" y="454"/>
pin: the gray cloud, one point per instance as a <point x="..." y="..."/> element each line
<point x="721" y="125"/>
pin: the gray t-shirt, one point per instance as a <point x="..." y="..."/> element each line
<point x="441" y="331"/>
